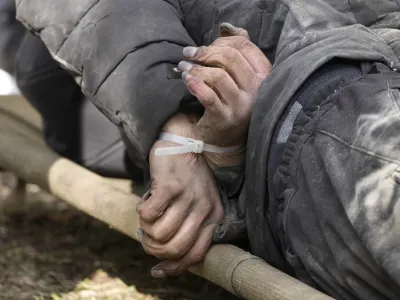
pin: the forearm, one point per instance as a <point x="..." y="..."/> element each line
<point x="122" y="54"/>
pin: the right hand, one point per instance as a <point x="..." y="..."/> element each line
<point x="225" y="78"/>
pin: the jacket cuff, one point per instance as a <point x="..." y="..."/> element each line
<point x="230" y="183"/>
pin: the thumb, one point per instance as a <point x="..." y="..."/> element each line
<point x="239" y="39"/>
<point x="227" y="29"/>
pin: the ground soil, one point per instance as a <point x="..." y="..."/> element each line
<point x="51" y="251"/>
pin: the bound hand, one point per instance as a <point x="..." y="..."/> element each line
<point x="180" y="216"/>
<point x="225" y="77"/>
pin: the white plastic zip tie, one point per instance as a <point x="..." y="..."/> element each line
<point x="189" y="145"/>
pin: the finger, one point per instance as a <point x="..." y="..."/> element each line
<point x="227" y="58"/>
<point x="157" y="203"/>
<point x="217" y="79"/>
<point x="195" y="255"/>
<point x="165" y="227"/>
<point x="182" y="241"/>
<point x="227" y="29"/>
<point x="206" y="95"/>
<point x="255" y="57"/>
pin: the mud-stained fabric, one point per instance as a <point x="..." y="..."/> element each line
<point x="73" y="127"/>
<point x="338" y="190"/>
<point x="121" y="53"/>
<point x="11" y="34"/>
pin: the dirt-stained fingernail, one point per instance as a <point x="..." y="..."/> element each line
<point x="186" y="76"/>
<point x="139" y="233"/>
<point x="185" y="66"/>
<point x="157" y="273"/>
<point x="146" y="195"/>
<point x="190" y="51"/>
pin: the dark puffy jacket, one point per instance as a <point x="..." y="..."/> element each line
<point x="123" y="54"/>
<point x="11" y="34"/>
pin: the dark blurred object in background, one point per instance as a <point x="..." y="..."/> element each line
<point x="73" y="127"/>
<point x="11" y="34"/>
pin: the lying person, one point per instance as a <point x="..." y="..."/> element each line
<point x="320" y="189"/>
<point x="335" y="177"/>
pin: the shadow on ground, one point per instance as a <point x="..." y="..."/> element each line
<point x="60" y="253"/>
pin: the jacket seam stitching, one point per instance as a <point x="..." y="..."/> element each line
<point x="19" y="4"/>
<point x="113" y="68"/>
<point x="378" y="36"/>
<point x="352" y="11"/>
<point x="121" y="124"/>
<point x="76" y="25"/>
<point x="295" y="189"/>
<point x="390" y="92"/>
<point x="356" y="148"/>
<point x="298" y="27"/>
<point x="301" y="29"/>
<point x="398" y="3"/>
<point x="181" y="10"/>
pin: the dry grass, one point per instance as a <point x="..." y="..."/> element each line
<point x="51" y="251"/>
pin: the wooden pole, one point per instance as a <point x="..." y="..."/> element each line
<point x="230" y="267"/>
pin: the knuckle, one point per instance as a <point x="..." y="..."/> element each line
<point x="206" y="207"/>
<point x="161" y="234"/>
<point x="230" y="118"/>
<point x="142" y="212"/>
<point x="217" y="216"/>
<point x="221" y="41"/>
<point x="197" y="257"/>
<point x="173" y="187"/>
<point x="207" y="98"/>
<point x="174" y="252"/>
<point x="157" y="253"/>
<point x="151" y="250"/>
<point x="229" y="53"/>
<point x="201" y="52"/>
<point x="147" y="215"/>
<point x="215" y="55"/>
<point x="147" y="250"/>
<point x="196" y="70"/>
<point x="157" y="235"/>
<point x="219" y="76"/>
<point x="244" y="42"/>
<point x="219" y="212"/>
<point x="236" y="94"/>
<point x="139" y="209"/>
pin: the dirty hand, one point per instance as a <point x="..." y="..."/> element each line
<point x="179" y="217"/>
<point x="225" y="77"/>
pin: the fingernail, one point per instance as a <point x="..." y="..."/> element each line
<point x="157" y="273"/>
<point x="185" y="66"/>
<point x="139" y="233"/>
<point x="227" y="26"/>
<point x="147" y="195"/>
<point x="186" y="76"/>
<point x="190" y="51"/>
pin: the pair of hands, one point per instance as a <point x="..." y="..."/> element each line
<point x="180" y="215"/>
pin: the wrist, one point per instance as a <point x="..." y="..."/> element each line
<point x="183" y="125"/>
<point x="224" y="160"/>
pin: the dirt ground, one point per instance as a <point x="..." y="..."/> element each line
<point x="51" y="251"/>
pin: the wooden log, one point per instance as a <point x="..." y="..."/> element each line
<point x="230" y="267"/>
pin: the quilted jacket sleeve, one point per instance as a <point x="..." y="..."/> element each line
<point x="122" y="53"/>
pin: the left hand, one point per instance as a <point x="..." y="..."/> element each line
<point x="184" y="208"/>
